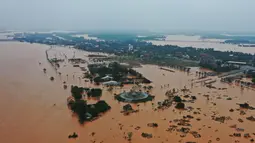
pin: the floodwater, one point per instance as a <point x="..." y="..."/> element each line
<point x="197" y="42"/>
<point x="3" y="36"/>
<point x="33" y="108"/>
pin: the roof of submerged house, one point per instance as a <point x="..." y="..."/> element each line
<point x="111" y="83"/>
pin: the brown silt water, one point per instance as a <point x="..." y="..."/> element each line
<point x="33" y="109"/>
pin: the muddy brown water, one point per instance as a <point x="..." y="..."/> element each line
<point x="33" y="108"/>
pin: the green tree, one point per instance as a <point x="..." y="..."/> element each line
<point x="95" y="92"/>
<point x="130" y="134"/>
<point x="80" y="108"/>
<point x="253" y="80"/>
<point x="76" y="92"/>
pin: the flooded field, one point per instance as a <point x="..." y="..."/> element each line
<point x="197" y="42"/>
<point x="34" y="109"/>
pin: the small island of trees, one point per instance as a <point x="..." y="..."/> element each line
<point x="84" y="111"/>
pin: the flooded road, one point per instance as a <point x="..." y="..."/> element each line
<point x="33" y="108"/>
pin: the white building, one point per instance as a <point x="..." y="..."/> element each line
<point x="130" y="47"/>
<point x="111" y="83"/>
<point x="107" y="78"/>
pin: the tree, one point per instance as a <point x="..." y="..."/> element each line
<point x="95" y="92"/>
<point x="199" y="74"/>
<point x="177" y="99"/>
<point x="76" y="92"/>
<point x="51" y="78"/>
<point x="100" y="107"/>
<point x="180" y="105"/>
<point x="80" y="108"/>
<point x="98" y="79"/>
<point x="130" y="134"/>
<point x="253" y="80"/>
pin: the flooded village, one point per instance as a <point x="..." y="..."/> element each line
<point x="52" y="93"/>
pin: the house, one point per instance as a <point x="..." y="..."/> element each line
<point x="249" y="71"/>
<point x="107" y="78"/>
<point x="207" y="60"/>
<point x="236" y="64"/>
<point x="111" y="83"/>
<point x="130" y="47"/>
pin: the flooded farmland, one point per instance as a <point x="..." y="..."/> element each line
<point x="198" y="42"/>
<point x="34" y="109"/>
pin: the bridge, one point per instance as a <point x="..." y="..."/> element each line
<point x="236" y="73"/>
<point x="231" y="73"/>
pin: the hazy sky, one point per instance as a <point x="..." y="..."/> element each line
<point x="205" y="15"/>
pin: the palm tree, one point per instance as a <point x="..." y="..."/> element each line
<point x="130" y="134"/>
<point x="173" y="90"/>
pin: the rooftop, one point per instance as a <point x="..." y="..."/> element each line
<point x="234" y="62"/>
